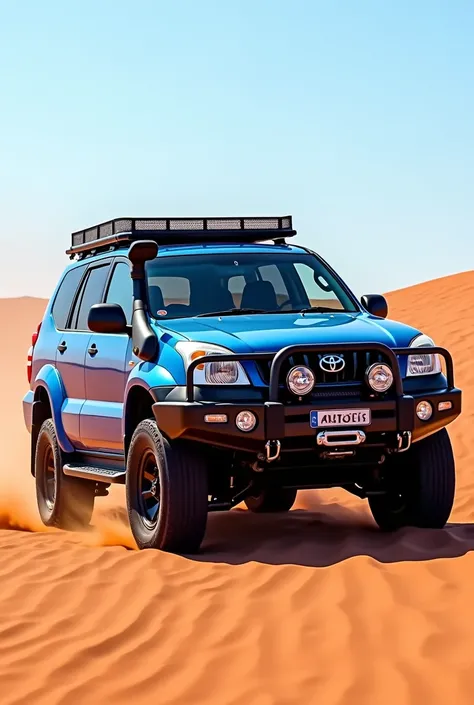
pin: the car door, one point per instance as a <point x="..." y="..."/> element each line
<point x="106" y="371"/>
<point x="72" y="348"/>
<point x="47" y="352"/>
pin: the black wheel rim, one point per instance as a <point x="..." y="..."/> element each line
<point x="149" y="490"/>
<point x="49" y="479"/>
<point x="396" y="502"/>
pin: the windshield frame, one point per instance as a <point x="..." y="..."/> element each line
<point x="303" y="251"/>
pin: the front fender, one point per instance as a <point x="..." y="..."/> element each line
<point x="145" y="375"/>
<point x="48" y="378"/>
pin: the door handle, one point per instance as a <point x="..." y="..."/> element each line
<point x="93" y="350"/>
<point x="62" y="347"/>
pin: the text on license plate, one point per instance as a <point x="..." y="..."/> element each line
<point x="340" y="417"/>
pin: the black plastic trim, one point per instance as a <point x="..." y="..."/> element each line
<point x="245" y="394"/>
<point x="275" y="421"/>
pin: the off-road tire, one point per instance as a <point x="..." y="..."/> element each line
<point x="272" y="499"/>
<point x="181" y="518"/>
<point x="421" y="485"/>
<point x="64" y="502"/>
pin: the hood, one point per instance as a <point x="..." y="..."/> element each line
<point x="271" y="332"/>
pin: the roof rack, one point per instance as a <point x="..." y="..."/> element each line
<point x="177" y="231"/>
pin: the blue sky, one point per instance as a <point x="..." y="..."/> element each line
<point x="356" y="117"/>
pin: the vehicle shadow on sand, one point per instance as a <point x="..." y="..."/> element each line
<point x="320" y="538"/>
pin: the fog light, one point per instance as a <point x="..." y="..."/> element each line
<point x="245" y="421"/>
<point x="300" y="380"/>
<point x="215" y="418"/>
<point x="445" y="405"/>
<point x="424" y="410"/>
<point x="379" y="376"/>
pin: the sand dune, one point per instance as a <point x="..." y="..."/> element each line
<point x="313" y="607"/>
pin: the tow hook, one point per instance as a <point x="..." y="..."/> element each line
<point x="404" y="441"/>
<point x="276" y="452"/>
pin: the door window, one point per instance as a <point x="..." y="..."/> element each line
<point x="271" y="273"/>
<point x="65" y="296"/>
<point x="236" y="287"/>
<point x="120" y="289"/>
<point x="91" y="293"/>
<point x="318" y="288"/>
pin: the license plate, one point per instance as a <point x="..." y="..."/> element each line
<point x="340" y="417"/>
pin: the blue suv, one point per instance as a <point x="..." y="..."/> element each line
<point x="205" y="362"/>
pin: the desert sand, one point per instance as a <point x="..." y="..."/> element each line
<point x="314" y="607"/>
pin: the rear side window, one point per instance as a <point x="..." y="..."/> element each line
<point x="121" y="289"/>
<point x="91" y="293"/>
<point x="65" y="296"/>
<point x="236" y="286"/>
<point x="173" y="290"/>
<point x="271" y="273"/>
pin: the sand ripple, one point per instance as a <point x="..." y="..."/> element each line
<point x="313" y="607"/>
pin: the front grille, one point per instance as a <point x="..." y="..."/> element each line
<point x="349" y="382"/>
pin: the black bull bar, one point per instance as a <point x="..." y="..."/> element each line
<point x="280" y="357"/>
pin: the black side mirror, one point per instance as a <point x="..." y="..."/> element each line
<point x="107" y="318"/>
<point x="376" y="304"/>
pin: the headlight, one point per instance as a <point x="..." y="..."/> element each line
<point x="423" y="364"/>
<point x="300" y="380"/>
<point x="211" y="373"/>
<point x="379" y="377"/>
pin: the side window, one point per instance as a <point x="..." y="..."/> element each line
<point x="91" y="294"/>
<point x="65" y="297"/>
<point x="236" y="286"/>
<point x="175" y="290"/>
<point x="318" y="290"/>
<point x="271" y="273"/>
<point x="120" y="289"/>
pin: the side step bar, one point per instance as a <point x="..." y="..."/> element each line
<point x="89" y="472"/>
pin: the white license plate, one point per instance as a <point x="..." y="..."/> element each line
<point x="340" y="417"/>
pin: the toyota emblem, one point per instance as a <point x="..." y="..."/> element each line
<point x="332" y="363"/>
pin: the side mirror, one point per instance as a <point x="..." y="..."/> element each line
<point x="376" y="304"/>
<point x="107" y="318"/>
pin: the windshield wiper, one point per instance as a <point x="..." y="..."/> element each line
<point x="318" y="309"/>
<point x="245" y="311"/>
<point x="231" y="312"/>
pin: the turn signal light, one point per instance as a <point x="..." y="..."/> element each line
<point x="195" y="355"/>
<point x="215" y="418"/>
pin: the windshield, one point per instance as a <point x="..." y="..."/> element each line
<point x="193" y="285"/>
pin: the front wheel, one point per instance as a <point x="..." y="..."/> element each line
<point x="420" y="486"/>
<point x="166" y="489"/>
<point x="272" y="499"/>
<point x="64" y="502"/>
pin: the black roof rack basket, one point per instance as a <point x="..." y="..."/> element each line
<point x="166" y="231"/>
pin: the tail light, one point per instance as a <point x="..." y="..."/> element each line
<point x="29" y="362"/>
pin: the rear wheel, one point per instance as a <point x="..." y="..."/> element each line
<point x="167" y="496"/>
<point x="272" y="499"/>
<point x="64" y="502"/>
<point x="420" y="486"/>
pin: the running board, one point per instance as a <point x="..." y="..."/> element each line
<point x="90" y="472"/>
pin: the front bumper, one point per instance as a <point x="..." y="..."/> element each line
<point x="290" y="424"/>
